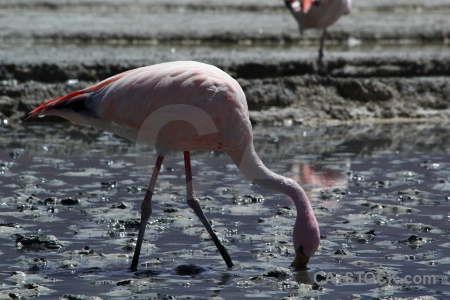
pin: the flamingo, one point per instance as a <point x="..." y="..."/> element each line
<point x="318" y="14"/>
<point x="184" y="106"/>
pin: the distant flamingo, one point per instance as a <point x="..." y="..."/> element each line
<point x="318" y="14"/>
<point x="184" y="106"/>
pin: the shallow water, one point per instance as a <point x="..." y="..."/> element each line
<point x="380" y="193"/>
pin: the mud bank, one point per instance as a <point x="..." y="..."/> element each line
<point x="279" y="92"/>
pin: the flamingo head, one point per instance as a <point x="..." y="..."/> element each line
<point x="306" y="239"/>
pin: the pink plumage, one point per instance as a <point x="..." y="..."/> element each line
<point x="319" y="14"/>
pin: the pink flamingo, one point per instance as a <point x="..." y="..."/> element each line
<point x="184" y="106"/>
<point x="318" y="14"/>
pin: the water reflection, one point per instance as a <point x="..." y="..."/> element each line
<point x="304" y="276"/>
<point x="356" y="140"/>
<point x="271" y="142"/>
<point x="316" y="177"/>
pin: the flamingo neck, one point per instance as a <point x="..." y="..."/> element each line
<point x="254" y="169"/>
<point x="306" y="229"/>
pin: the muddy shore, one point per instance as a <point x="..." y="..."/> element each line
<point x="385" y="62"/>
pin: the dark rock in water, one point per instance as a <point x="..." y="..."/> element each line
<point x="40" y="259"/>
<point x="362" y="240"/>
<point x="25" y="207"/>
<point x="165" y="297"/>
<point x="123" y="282"/>
<point x="316" y="287"/>
<point x="189" y="270"/>
<point x="340" y="252"/>
<point x="49" y="201"/>
<point x="257" y="278"/>
<point x="278" y="273"/>
<point x="31" y="286"/>
<point x="171" y="210"/>
<point x="14" y="296"/>
<point x="415" y="242"/>
<point x="120" y="205"/>
<point x="38" y="264"/>
<point x="16" y="153"/>
<point x="128" y="247"/>
<point x="86" y="251"/>
<point x="68" y="265"/>
<point x="130" y="224"/>
<point x="10" y="224"/>
<point x="109" y="185"/>
<point x="38" y="241"/>
<point x="409" y="192"/>
<point x="70" y="201"/>
<point x="20" y="273"/>
<point x="285" y="211"/>
<point x="414" y="238"/>
<point x="52" y="209"/>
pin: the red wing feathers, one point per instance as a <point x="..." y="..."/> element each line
<point x="73" y="99"/>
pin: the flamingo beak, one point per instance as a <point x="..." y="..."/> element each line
<point x="301" y="260"/>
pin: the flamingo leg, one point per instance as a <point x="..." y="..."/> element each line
<point x="195" y="205"/>
<point x="322" y="42"/>
<point x="146" y="212"/>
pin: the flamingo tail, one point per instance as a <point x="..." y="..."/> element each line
<point x="74" y="102"/>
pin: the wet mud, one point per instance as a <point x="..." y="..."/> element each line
<point x="367" y="135"/>
<point x="70" y="201"/>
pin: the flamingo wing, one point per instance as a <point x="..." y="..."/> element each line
<point x="140" y="102"/>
